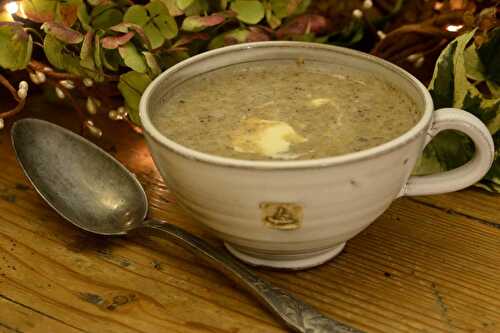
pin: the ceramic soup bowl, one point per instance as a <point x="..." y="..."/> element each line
<point x="298" y="214"/>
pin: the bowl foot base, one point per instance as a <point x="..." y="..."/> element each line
<point x="293" y="262"/>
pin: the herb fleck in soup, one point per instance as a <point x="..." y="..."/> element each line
<point x="285" y="110"/>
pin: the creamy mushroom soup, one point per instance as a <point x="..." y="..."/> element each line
<point x="285" y="110"/>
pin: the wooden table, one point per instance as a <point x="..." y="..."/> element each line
<point x="429" y="264"/>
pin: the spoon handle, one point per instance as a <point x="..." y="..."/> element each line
<point x="298" y="315"/>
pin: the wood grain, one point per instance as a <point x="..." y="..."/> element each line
<point x="429" y="264"/>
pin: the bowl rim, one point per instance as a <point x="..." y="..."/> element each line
<point x="151" y="132"/>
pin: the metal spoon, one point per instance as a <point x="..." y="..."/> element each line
<point x="92" y="190"/>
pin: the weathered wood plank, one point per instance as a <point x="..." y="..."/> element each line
<point x="474" y="203"/>
<point x="19" y="318"/>
<point x="100" y="281"/>
<point x="424" y="263"/>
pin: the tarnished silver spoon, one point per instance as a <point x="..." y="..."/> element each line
<point x="92" y="190"/>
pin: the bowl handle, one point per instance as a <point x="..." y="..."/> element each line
<point x="465" y="175"/>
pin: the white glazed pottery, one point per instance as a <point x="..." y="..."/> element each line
<point x="299" y="214"/>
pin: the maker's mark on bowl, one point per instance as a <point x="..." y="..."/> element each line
<point x="282" y="216"/>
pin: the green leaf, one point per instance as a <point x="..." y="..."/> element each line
<point x="449" y="85"/>
<point x="86" y="50"/>
<point x="198" y="7"/>
<point x="41" y="11"/>
<point x="136" y="14"/>
<point x="451" y="88"/>
<point x="494" y="89"/>
<point x="172" y="7"/>
<point x="101" y="8"/>
<point x="183" y="4"/>
<point x="95" y="3"/>
<point x="493" y="186"/>
<point x="317" y="24"/>
<point x="248" y="11"/>
<point x="238" y="35"/>
<point x="105" y="16"/>
<point x="484" y="109"/>
<point x="53" y="49"/>
<point x="125" y="27"/>
<point x="152" y="63"/>
<point x="189" y="38"/>
<point x="304" y="38"/>
<point x="199" y="23"/>
<point x="351" y="34"/>
<point x="97" y="51"/>
<point x="169" y="59"/>
<point x="111" y="59"/>
<point x="132" y="58"/>
<point x="67" y="12"/>
<point x="154" y="18"/>
<point x="86" y="53"/>
<point x="302" y="7"/>
<point x="83" y="16"/>
<point x="216" y="42"/>
<point x="16" y="46"/>
<point x="162" y="19"/>
<point x="27" y="54"/>
<point x="279" y="7"/>
<point x="494" y="124"/>
<point x="285" y="8"/>
<point x="428" y="163"/>
<point x="272" y="20"/>
<point x="72" y="65"/>
<point x="63" y="60"/>
<point x="292" y="6"/>
<point x="442" y="83"/>
<point x="473" y="66"/>
<point x="64" y="34"/>
<point x="489" y="53"/>
<point x="460" y="77"/>
<point x="235" y="36"/>
<point x="453" y="149"/>
<point x="223" y="4"/>
<point x="491" y="181"/>
<point x="112" y="42"/>
<point x="88" y="63"/>
<point x="132" y="85"/>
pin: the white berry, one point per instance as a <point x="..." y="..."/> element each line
<point x="68" y="84"/>
<point x="34" y="78"/>
<point x="23" y="85"/>
<point x="22" y="93"/>
<point x="367" y="4"/>
<point x="357" y="13"/>
<point x="91" y="107"/>
<point x="381" y="34"/>
<point x="59" y="93"/>
<point x="87" y="82"/>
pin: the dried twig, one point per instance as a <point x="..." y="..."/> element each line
<point x="9" y="87"/>
<point x="41" y="67"/>
<point x="13" y="92"/>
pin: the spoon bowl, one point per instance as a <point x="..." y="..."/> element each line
<point x="92" y="190"/>
<point x="83" y="183"/>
